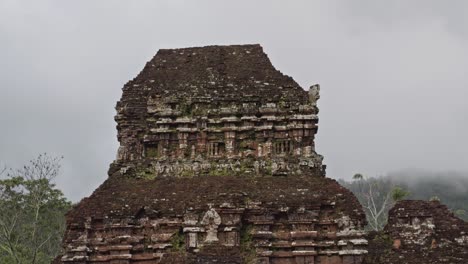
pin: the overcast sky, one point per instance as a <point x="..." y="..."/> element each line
<point x="393" y="74"/>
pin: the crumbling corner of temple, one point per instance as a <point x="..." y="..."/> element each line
<point x="420" y="232"/>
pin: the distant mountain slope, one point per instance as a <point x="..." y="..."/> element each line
<point x="450" y="187"/>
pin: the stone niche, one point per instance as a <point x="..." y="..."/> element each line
<point x="216" y="164"/>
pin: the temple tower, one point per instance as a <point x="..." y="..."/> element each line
<point x="216" y="164"/>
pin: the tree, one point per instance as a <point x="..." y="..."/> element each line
<point x="32" y="220"/>
<point x="424" y="185"/>
<point x="376" y="196"/>
<point x="460" y="213"/>
<point x="399" y="194"/>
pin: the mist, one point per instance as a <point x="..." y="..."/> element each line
<point x="393" y="76"/>
<point x="454" y="182"/>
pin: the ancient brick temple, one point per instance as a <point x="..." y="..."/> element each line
<point x="216" y="164"/>
<point x="420" y="232"/>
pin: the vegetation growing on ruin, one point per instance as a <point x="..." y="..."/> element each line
<point x="185" y="109"/>
<point x="381" y="247"/>
<point x="145" y="174"/>
<point x="199" y="111"/>
<point x="151" y="152"/>
<point x="187" y="173"/>
<point x="178" y="241"/>
<point x="220" y="171"/>
<point x="269" y="167"/>
<point x="247" y="244"/>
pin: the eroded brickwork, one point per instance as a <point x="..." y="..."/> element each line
<point x="217" y="110"/>
<point x="421" y="232"/>
<point x="216" y="164"/>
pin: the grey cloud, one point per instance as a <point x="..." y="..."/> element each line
<point x="380" y="13"/>
<point x="393" y="75"/>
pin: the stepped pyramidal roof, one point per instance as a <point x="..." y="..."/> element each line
<point x="217" y="72"/>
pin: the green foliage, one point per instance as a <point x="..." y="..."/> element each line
<point x="268" y="169"/>
<point x="187" y="173"/>
<point x="199" y="111"/>
<point x="380" y="247"/>
<point x="178" y="241"/>
<point x="246" y="244"/>
<point x="217" y="171"/>
<point x="384" y="239"/>
<point x="32" y="220"/>
<point x="460" y="213"/>
<point x="399" y="194"/>
<point x="145" y="174"/>
<point x="245" y="167"/>
<point x="283" y="103"/>
<point x="358" y="176"/>
<point x="220" y="172"/>
<point x="246" y="145"/>
<point x="185" y="109"/>
<point x="246" y="236"/>
<point x="151" y="151"/>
